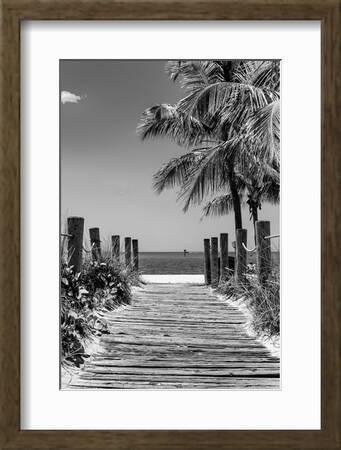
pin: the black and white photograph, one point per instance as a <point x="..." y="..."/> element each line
<point x="170" y="224"/>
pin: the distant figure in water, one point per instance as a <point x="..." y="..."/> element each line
<point x="185" y="252"/>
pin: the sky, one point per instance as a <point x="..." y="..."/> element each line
<point x="106" y="170"/>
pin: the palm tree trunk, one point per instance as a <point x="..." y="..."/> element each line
<point x="236" y="200"/>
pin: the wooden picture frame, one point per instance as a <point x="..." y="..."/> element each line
<point x="13" y="12"/>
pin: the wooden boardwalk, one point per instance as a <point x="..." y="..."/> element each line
<point x="178" y="336"/>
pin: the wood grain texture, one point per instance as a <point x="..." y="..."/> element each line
<point x="241" y="257"/>
<point x="12" y="12"/>
<point x="135" y="247"/>
<point x="263" y="251"/>
<point x="115" y="247"/>
<point x="127" y="251"/>
<point x="95" y="242"/>
<point x="214" y="261"/>
<point x="224" y="255"/>
<point x="75" y="229"/>
<point x="207" y="261"/>
<point x="178" y="336"/>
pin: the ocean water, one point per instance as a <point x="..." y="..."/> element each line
<point x="174" y="263"/>
<point x="171" y="263"/>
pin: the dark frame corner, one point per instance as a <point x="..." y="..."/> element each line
<point x="13" y="12"/>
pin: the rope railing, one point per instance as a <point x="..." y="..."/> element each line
<point x="66" y="235"/>
<point x="71" y="235"/>
<point x="262" y="252"/>
<point x="255" y="248"/>
<point x="247" y="249"/>
<point x="272" y="236"/>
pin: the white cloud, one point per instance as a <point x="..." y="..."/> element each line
<point x="69" y="97"/>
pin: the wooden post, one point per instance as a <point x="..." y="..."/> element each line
<point x="219" y="267"/>
<point x="263" y="257"/>
<point x="231" y="262"/>
<point x="127" y="250"/>
<point x="115" y="248"/>
<point x="241" y="261"/>
<point x="95" y="243"/>
<point x="75" y="228"/>
<point x="224" y="255"/>
<point x="135" y="243"/>
<point x="214" y="261"/>
<point x="207" y="261"/>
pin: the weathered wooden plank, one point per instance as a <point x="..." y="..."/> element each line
<point x="186" y="355"/>
<point x="177" y="362"/>
<point x="178" y="336"/>
<point x="165" y="372"/>
<point x="247" y="383"/>
<point x="177" y="379"/>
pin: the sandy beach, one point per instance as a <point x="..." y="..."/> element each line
<point x="173" y="278"/>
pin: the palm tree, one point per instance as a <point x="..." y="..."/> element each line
<point x="252" y="192"/>
<point x="228" y="105"/>
<point x="216" y="121"/>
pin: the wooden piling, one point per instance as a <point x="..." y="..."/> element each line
<point x="95" y="243"/>
<point x="75" y="229"/>
<point x="214" y="261"/>
<point x="224" y="255"/>
<point x="263" y="257"/>
<point x="241" y="258"/>
<point x="135" y="244"/>
<point x="127" y="250"/>
<point x="231" y="264"/>
<point x="207" y="261"/>
<point x="115" y="248"/>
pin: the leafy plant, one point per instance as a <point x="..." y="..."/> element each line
<point x="85" y="298"/>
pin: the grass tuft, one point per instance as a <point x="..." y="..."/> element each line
<point x="262" y="300"/>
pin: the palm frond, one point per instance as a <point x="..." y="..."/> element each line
<point x="231" y="109"/>
<point x="173" y="69"/>
<point x="176" y="171"/>
<point x="270" y="189"/>
<point x="264" y="74"/>
<point x="219" y="206"/>
<point x="245" y="70"/>
<point x="208" y="176"/>
<point x="268" y="75"/>
<point x="166" y="121"/>
<point x="271" y="195"/>
<point x="263" y="132"/>
<point x="194" y="75"/>
<point x="225" y="95"/>
<point x="229" y="68"/>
